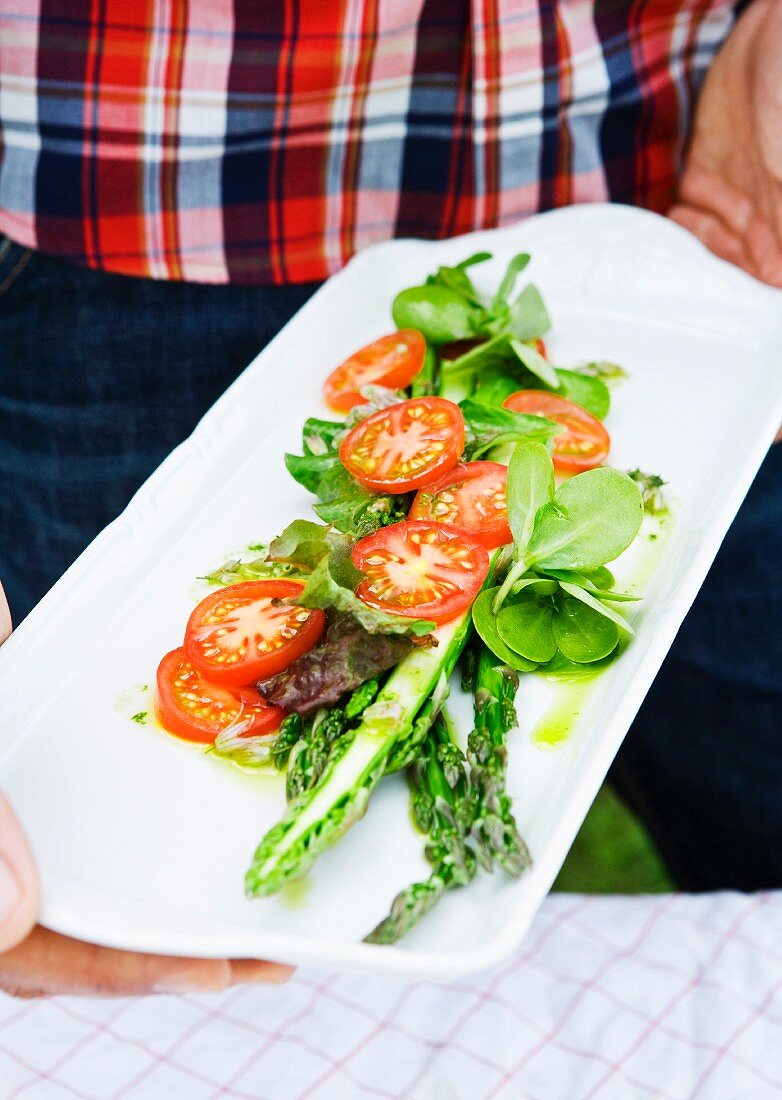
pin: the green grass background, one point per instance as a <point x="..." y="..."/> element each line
<point x="613" y="854"/>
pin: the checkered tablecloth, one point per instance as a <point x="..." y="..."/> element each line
<point x="612" y="998"/>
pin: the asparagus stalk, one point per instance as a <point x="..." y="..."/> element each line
<point x="462" y="819"/>
<point x="443" y="811"/>
<point x="494" y="831"/>
<point x="291" y="730"/>
<point x="310" y="753"/>
<point x="320" y="815"/>
<point x="407" y="751"/>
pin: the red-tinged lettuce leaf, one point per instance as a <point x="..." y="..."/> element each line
<point x="344" y="659"/>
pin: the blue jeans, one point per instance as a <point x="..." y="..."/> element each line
<point x="101" y="375"/>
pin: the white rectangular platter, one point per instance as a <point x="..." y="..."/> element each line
<point x="141" y="841"/>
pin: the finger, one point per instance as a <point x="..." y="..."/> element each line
<point x="5" y="617"/>
<point x="50" y="964"/>
<point x="708" y="192"/>
<point x="742" y="237"/>
<point x="713" y="233"/>
<point x="765" y="251"/>
<point x="257" y="970"/>
<point x="18" y="881"/>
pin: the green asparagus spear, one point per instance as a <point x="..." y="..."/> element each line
<point x="291" y="729"/>
<point x="310" y="754"/>
<point x="443" y="811"/>
<point x="495" y="833"/>
<point x="308" y="757"/>
<point x="407" y="751"/>
<point x="319" y="816"/>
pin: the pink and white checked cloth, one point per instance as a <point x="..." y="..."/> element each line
<point x="670" y="998"/>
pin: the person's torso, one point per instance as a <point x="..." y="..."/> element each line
<point x="226" y="141"/>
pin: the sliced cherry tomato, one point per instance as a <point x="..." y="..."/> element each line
<point x="584" y="445"/>
<point x="192" y="707"/>
<point x="406" y="445"/>
<point x="470" y="497"/>
<point x="423" y="570"/>
<point x="391" y="361"/>
<point x="241" y="634"/>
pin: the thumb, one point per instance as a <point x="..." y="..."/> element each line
<point x="18" y="881"/>
<point x="5" y="617"/>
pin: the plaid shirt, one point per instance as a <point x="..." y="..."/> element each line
<point x="238" y="141"/>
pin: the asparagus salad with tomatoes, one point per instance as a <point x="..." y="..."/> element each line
<point x="464" y="514"/>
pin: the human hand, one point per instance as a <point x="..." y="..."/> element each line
<point x="731" y="190"/>
<point x="35" y="962"/>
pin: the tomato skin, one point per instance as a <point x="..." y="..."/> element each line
<point x="540" y="347"/>
<point x="391" y="361"/>
<point x="474" y="502"/>
<point x="406" y="446"/>
<point x="391" y="558"/>
<point x="235" y="658"/>
<point x="191" y="707"/>
<point x="583" y="446"/>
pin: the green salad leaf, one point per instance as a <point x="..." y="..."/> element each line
<point x="531" y="358"/>
<point x="440" y="313"/>
<point x="582" y="634"/>
<point x="596" y="605"/>
<point x="342" y="502"/>
<point x="488" y="427"/>
<point x="526" y="627"/>
<point x="529" y="317"/>
<point x="591" y="520"/>
<point x="530" y="485"/>
<point x="515" y="266"/>
<point x="457" y="279"/>
<point x="485" y="623"/>
<point x="555" y="598"/>
<point x="590" y="393"/>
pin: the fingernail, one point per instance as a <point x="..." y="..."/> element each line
<point x="10" y="891"/>
<point x="252" y="970"/>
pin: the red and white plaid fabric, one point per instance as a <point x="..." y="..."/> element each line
<point x="662" y="998"/>
<point x="229" y="141"/>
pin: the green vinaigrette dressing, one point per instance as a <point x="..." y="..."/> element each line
<point x="559" y="721"/>
<point x="135" y="704"/>
<point x="295" y="894"/>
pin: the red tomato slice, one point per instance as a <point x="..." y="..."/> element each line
<point x="584" y="445"/>
<point x="241" y="634"/>
<point x="193" y="708"/>
<point x="422" y="570"/>
<point x="470" y="497"/>
<point x="405" y="446"/>
<point x="391" y="361"/>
